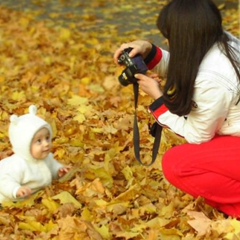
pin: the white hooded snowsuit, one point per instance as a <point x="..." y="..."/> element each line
<point x="21" y="169"/>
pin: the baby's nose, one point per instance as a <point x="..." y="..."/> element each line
<point x="46" y="142"/>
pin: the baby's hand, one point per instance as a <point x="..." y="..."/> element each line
<point x="24" y="192"/>
<point x="63" y="171"/>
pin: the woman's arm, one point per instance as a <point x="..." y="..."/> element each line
<point x="211" y="108"/>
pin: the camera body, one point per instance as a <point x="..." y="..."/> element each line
<point x="133" y="65"/>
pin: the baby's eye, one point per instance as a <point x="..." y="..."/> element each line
<point x="39" y="141"/>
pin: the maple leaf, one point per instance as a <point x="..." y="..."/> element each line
<point x="66" y="197"/>
<point x="200" y="223"/>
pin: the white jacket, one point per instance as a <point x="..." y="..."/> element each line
<point x="16" y="172"/>
<point x="22" y="169"/>
<point x="216" y="93"/>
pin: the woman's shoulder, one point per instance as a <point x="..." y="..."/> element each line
<point x="217" y="66"/>
<point x="217" y="53"/>
<point x="233" y="40"/>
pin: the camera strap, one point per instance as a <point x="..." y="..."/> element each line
<point x="156" y="131"/>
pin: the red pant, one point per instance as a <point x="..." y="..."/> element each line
<point x="210" y="170"/>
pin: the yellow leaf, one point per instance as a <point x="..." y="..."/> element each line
<point x="148" y="208"/>
<point x="110" y="129"/>
<point x="31" y="226"/>
<point x="50" y="204"/>
<point x="235" y="233"/>
<point x="29" y="202"/>
<point x="76" y="143"/>
<point x="4" y="116"/>
<point x="77" y="101"/>
<point x="18" y="96"/>
<point x="50" y="226"/>
<point x="2" y="79"/>
<point x="200" y="223"/>
<point x="37" y="226"/>
<point x="171" y="234"/>
<point x="128" y="173"/>
<point x="106" y="179"/>
<point x="24" y="22"/>
<point x="80" y="118"/>
<point x="54" y="15"/>
<point x="85" y="80"/>
<point x="48" y="60"/>
<point x="104" y="231"/>
<point x="100" y="202"/>
<point x="97" y="130"/>
<point x="84" y="109"/>
<point x="118" y="208"/>
<point x="93" y="41"/>
<point x="236" y="225"/>
<point x="157" y="222"/>
<point x="66" y="197"/>
<point x="130" y="194"/>
<point x="65" y="34"/>
<point x="86" y="215"/>
<point x="167" y="211"/>
<point x="60" y="152"/>
<point x="97" y="88"/>
<point x="127" y="234"/>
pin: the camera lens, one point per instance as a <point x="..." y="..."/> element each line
<point x="123" y="80"/>
<point x="122" y="57"/>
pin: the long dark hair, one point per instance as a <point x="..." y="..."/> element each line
<point x="191" y="27"/>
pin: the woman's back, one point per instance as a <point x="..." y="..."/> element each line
<point x="217" y="90"/>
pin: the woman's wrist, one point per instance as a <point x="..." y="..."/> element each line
<point x="156" y="104"/>
<point x="150" y="53"/>
<point x="157" y="96"/>
<point x="153" y="57"/>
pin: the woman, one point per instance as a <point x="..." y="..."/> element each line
<point x="200" y="100"/>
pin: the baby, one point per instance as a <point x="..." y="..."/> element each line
<point x="32" y="166"/>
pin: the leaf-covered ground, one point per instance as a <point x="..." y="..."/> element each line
<point x="68" y="72"/>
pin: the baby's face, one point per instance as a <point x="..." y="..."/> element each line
<point x="41" y="144"/>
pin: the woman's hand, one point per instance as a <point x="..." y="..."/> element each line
<point x="139" y="47"/>
<point x="150" y="85"/>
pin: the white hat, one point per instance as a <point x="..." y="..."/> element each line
<point x="22" y="130"/>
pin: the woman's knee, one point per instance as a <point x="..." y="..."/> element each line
<point x="178" y="162"/>
<point x="170" y="164"/>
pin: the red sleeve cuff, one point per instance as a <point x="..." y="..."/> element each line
<point x="154" y="57"/>
<point x="157" y="108"/>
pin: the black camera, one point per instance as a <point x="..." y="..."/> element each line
<point x="133" y="65"/>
